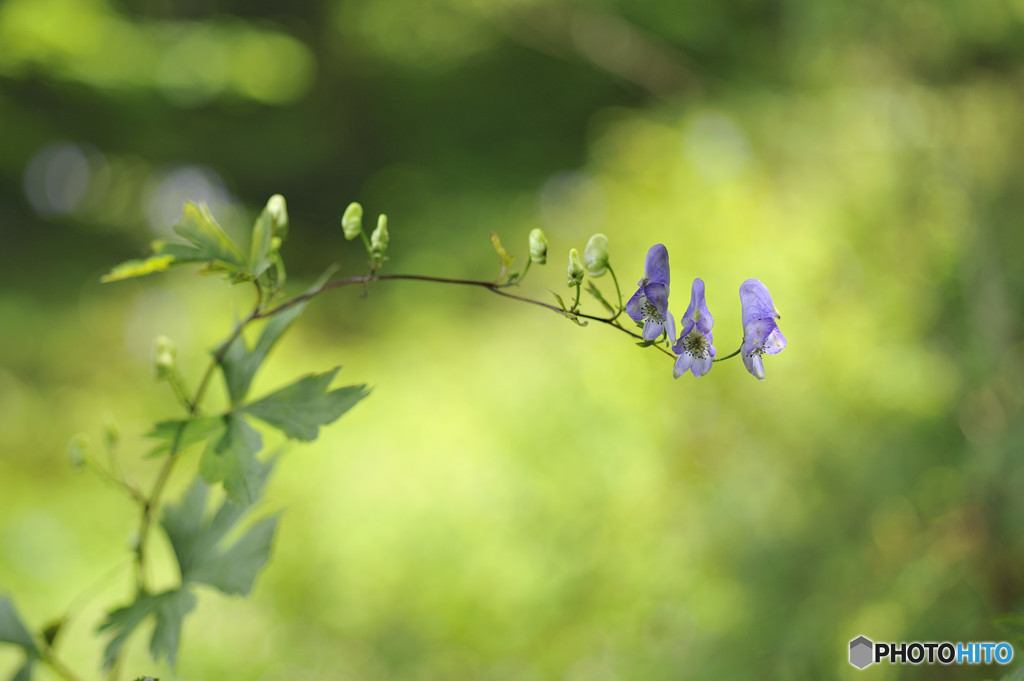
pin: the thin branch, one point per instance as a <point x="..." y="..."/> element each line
<point x="497" y="289"/>
<point x="722" y="359"/>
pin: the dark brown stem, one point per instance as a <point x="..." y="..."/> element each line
<point x="489" y="285"/>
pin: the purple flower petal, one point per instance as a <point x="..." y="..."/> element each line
<point x="775" y="342"/>
<point x="701" y="366"/>
<point x="656" y="265"/>
<point x="756" y="331"/>
<point x="754" y="365"/>
<point x="698" y="309"/>
<point x="635" y="306"/>
<point x="652" y="329"/>
<point x="688" y="325"/>
<point x="756" y="301"/>
<point x="682" y="365"/>
<point x="657" y="295"/>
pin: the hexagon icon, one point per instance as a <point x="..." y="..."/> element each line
<point x="861" y="649"/>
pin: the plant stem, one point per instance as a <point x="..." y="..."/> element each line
<point x="153" y="501"/>
<point x="618" y="292"/>
<point x="722" y="359"/>
<point x="490" y="286"/>
<point x="48" y="656"/>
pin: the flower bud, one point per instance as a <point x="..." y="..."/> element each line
<point x="111" y="432"/>
<point x="575" y="270"/>
<point x="352" y="221"/>
<point x="277" y="209"/>
<point x="538" y="247"/>
<point x="595" y="255"/>
<point x="76" y="449"/>
<point x="164" y="352"/>
<point x="379" y="238"/>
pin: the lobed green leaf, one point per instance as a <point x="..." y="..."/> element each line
<point x="198" y="542"/>
<point x="299" y="409"/>
<point x="198" y="227"/>
<point x="232" y="460"/>
<point x="192" y="431"/>
<point x="169" y="608"/>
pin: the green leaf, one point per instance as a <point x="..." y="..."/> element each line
<point x="240" y="364"/>
<point x="12" y="630"/>
<point x="208" y="244"/>
<point x="1016" y="675"/>
<point x="169" y="608"/>
<point x="198" y="227"/>
<point x="196" y="430"/>
<point x="503" y="255"/>
<point x="565" y="311"/>
<point x="198" y="542"/>
<point x="138" y="268"/>
<point x="25" y="673"/>
<point x="235" y="570"/>
<point x="259" y="251"/>
<point x="1013" y="626"/>
<point x="594" y="291"/>
<point x="232" y="460"/>
<point x="298" y="410"/>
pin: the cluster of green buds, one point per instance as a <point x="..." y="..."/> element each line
<point x="377" y="243"/>
<point x="594" y="263"/>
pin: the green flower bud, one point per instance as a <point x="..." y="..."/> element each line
<point x="379" y="238"/>
<point x="538" y="247"/>
<point x="352" y="221"/>
<point x="575" y="270"/>
<point x="277" y="209"/>
<point x="111" y="432"/>
<point x="164" y="352"/>
<point x="595" y="255"/>
<point x="76" y="449"/>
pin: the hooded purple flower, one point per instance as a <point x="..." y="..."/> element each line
<point x="694" y="346"/>
<point x="760" y="332"/>
<point x="650" y="303"/>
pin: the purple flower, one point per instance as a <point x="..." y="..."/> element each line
<point x="760" y="332"/>
<point x="650" y="303"/>
<point x="694" y="346"/>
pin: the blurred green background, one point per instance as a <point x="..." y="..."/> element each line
<point x="522" y="499"/>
